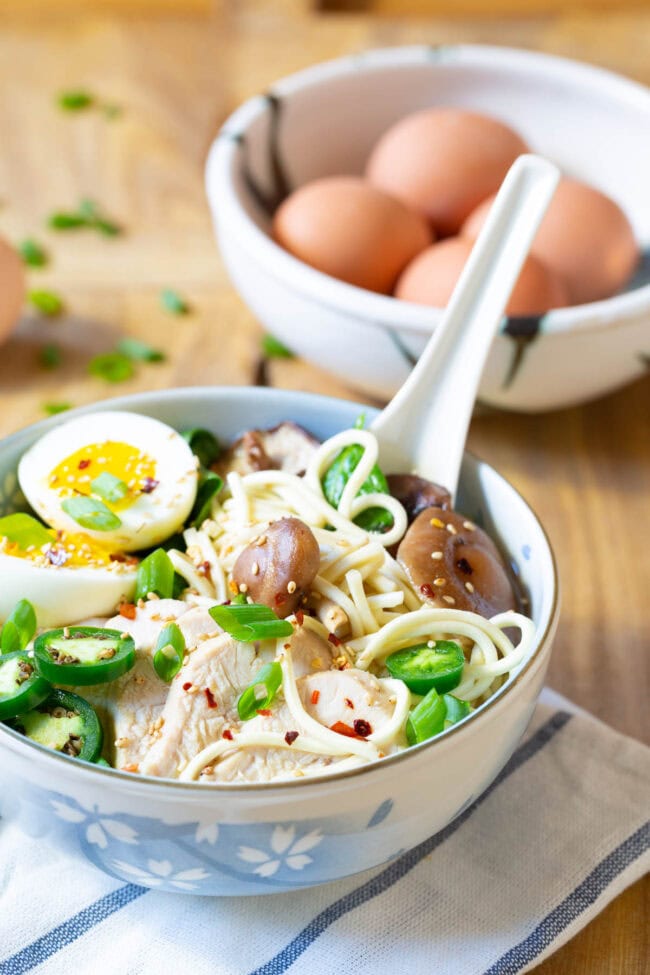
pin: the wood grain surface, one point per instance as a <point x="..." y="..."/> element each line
<point x="176" y="73"/>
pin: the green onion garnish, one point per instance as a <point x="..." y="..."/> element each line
<point x="155" y="574"/>
<point x="91" y="514"/>
<point x="260" y="692"/>
<point x="273" y="348"/>
<point x="169" y="652"/>
<point x="203" y="445"/>
<point x="250" y="622"/>
<point x="113" y="367"/>
<point x="19" y="628"/>
<point x="109" y="487"/>
<point x="209" y="486"/>
<point x="139" y="351"/>
<point x="47" y="302"/>
<point x="64" y="220"/>
<point x="32" y="253"/>
<point x="53" y="408"/>
<point x="25" y="531"/>
<point x="49" y="356"/>
<point x="426" y="719"/>
<point x="75" y="101"/>
<point x="173" y="303"/>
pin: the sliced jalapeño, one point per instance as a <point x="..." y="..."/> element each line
<point x="83" y="655"/>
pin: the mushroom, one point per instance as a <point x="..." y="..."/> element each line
<point x="416" y="493"/>
<point x="279" y="566"/>
<point x="286" y="447"/>
<point x="453" y="563"/>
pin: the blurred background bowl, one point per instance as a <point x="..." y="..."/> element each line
<point x="326" y="119"/>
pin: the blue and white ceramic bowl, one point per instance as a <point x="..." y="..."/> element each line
<point x="260" y="839"/>
<point x="326" y="119"/>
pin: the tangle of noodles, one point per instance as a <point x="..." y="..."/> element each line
<point x="358" y="575"/>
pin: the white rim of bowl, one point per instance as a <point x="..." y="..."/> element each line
<point x="146" y="783"/>
<point x="225" y="155"/>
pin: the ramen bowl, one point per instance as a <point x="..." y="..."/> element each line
<point x="259" y="839"/>
<point x="325" y="120"/>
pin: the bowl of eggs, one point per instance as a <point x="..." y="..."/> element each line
<point x="347" y="198"/>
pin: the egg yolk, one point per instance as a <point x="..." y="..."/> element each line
<point x="75" y="474"/>
<point x="72" y="549"/>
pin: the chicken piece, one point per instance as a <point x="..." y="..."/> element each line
<point x="352" y="697"/>
<point x="309" y="652"/>
<point x="287" y="447"/>
<point x="149" y="620"/>
<point x="196" y="626"/>
<point x="201" y="703"/>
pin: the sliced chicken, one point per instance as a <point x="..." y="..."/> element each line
<point x="349" y="697"/>
<point x="149" y="620"/>
<point x="309" y="652"/>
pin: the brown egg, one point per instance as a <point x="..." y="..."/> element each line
<point x="443" y="162"/>
<point x="431" y="277"/>
<point x="585" y="237"/>
<point x="12" y="289"/>
<point x="347" y="228"/>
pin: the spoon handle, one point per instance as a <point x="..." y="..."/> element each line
<point x="425" y="424"/>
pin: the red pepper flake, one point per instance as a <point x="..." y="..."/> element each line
<point x="264" y="712"/>
<point x="130" y="768"/>
<point x="279" y="598"/>
<point x="149" y="484"/>
<point x="333" y="639"/>
<point x="300" y="616"/>
<point x="127" y="610"/>
<point x="227" y="734"/>
<point x="83" y="464"/>
<point x="187" y="685"/>
<point x="205" y="570"/>
<point x="314" y="697"/>
<point x="121" y="557"/>
<point x="56" y="556"/>
<point x="209" y="696"/>
<point x="290" y="737"/>
<point x="348" y="702"/>
<point x="426" y="590"/>
<point x="341" y="728"/>
<point x="362" y="727"/>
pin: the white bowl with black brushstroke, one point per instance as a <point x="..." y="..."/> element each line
<point x="325" y="120"/>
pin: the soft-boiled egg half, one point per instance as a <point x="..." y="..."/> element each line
<point x="66" y="577"/>
<point x="126" y="481"/>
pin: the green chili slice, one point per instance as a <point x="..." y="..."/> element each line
<point x="169" y="652"/>
<point x="155" y="574"/>
<point x="83" y="655"/>
<point x="338" y="475"/>
<point x="21" y="688"/>
<point x="261" y="692"/>
<point x="249" y="622"/>
<point x="426" y="719"/>
<point x="422" y="667"/>
<point x="19" y="628"/>
<point x="65" y="722"/>
<point x="203" y="445"/>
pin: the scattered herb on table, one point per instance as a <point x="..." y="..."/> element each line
<point x="173" y="302"/>
<point x="113" y="367"/>
<point x="139" y="351"/>
<point x="32" y="253"/>
<point x="75" y="100"/>
<point x="47" y="302"/>
<point x="273" y="348"/>
<point x="53" y="408"/>
<point x="88" y="215"/>
<point x="50" y="356"/>
<point x="111" y="111"/>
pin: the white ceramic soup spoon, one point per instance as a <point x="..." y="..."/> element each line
<point x="424" y="427"/>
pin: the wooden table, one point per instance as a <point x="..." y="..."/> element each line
<point x="176" y="75"/>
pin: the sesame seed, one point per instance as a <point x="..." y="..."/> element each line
<point x="469" y="587"/>
<point x="431" y="644"/>
<point x="255" y="569"/>
<point x="436" y="555"/>
<point x="291" y="586"/>
<point x="469" y="526"/>
<point x="436" y="523"/>
<point x="451" y="529"/>
<point x="153" y="595"/>
<point x="243" y="587"/>
<point x="450" y="600"/>
<point x="440" y="581"/>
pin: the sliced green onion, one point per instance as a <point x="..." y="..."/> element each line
<point x="103" y="763"/>
<point x="338" y="475"/>
<point x="360" y="422"/>
<point x="91" y="514"/>
<point x="25" y="531"/>
<point x="203" y="445"/>
<point x="426" y="719"/>
<point x="209" y="486"/>
<point x="155" y="574"/>
<point x="50" y="356"/>
<point x="260" y="692"/>
<point x="173" y="303"/>
<point x="19" y="628"/>
<point x="139" y="351"/>
<point x="53" y="408"/>
<point x="113" y="367"/>
<point x="75" y="101"/>
<point x="32" y="253"/>
<point x="456" y="709"/>
<point x="109" y="487"/>
<point x="169" y="652"/>
<point x="273" y="348"/>
<point x="47" y="302"/>
<point x="250" y="622"/>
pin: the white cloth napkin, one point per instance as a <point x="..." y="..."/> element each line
<point x="560" y="833"/>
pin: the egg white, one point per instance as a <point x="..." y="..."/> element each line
<point x="63" y="595"/>
<point x="151" y="518"/>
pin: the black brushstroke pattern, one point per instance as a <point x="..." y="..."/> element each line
<point x="641" y="276"/>
<point x="408" y="356"/>
<point x="523" y="330"/>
